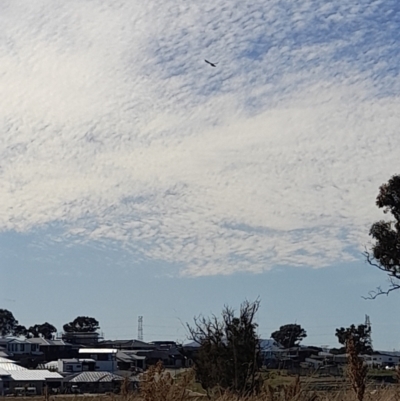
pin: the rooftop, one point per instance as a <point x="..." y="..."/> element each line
<point x="92" y="377"/>
<point x="97" y="351"/>
<point x="34" y="375"/>
<point x="43" y="341"/>
<point x="126" y="344"/>
<point x="4" y="372"/>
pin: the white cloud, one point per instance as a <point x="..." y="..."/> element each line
<point x="113" y="126"/>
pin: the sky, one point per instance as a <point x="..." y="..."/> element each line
<point x="137" y="180"/>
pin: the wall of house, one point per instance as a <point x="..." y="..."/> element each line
<point x="106" y="366"/>
<point x="382" y="360"/>
<point x="104" y="362"/>
<point x="64" y="366"/>
<point x="18" y="384"/>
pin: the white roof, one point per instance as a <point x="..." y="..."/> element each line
<point x="11" y="367"/>
<point x="97" y="351"/>
<point x="4" y="372"/>
<point x="34" y="375"/>
<point x="52" y="364"/>
<point x="6" y="360"/>
<point x="269" y="345"/>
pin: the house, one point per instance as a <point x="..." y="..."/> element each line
<point x="15" y="379"/>
<point x="20" y="349"/>
<point x="53" y="350"/>
<point x="105" y="358"/>
<point x="96" y="382"/>
<point x="380" y="359"/>
<point x="81" y="338"/>
<point x="130" y="361"/>
<point x="16" y="346"/>
<point x="37" y="379"/>
<point x="132" y="345"/>
<point x="167" y="352"/>
<point x="271" y="352"/>
<point x="75" y="365"/>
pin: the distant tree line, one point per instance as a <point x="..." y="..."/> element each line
<point x="9" y="326"/>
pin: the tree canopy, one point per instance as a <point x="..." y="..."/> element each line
<point x="8" y="323"/>
<point x="289" y="335"/>
<point x="82" y="324"/>
<point x="229" y="353"/>
<point x="360" y="335"/>
<point x="44" y="330"/>
<point x="385" y="252"/>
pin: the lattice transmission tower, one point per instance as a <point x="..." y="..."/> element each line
<point x="140" y="328"/>
<point x="368" y="325"/>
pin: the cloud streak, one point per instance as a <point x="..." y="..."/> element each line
<point x="115" y="128"/>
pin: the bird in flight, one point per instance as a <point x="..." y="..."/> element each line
<point x="212" y="64"/>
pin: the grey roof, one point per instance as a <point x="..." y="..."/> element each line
<point x="270" y="345"/>
<point x="390" y="353"/>
<point x="192" y="344"/>
<point x="94" y="377"/>
<point x="6" y="340"/>
<point x="129" y="356"/>
<point x="43" y="341"/>
<point x="121" y="344"/>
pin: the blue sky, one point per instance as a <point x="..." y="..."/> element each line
<point x="138" y="180"/>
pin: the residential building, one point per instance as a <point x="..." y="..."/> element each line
<point x="15" y="379"/>
<point x="381" y="359"/>
<point x="271" y="352"/>
<point x="105" y="358"/>
<point x="53" y="350"/>
<point x="16" y="346"/>
<point x="22" y="350"/>
<point x="130" y="361"/>
<point x="81" y="338"/>
<point x="75" y="365"/>
<point x="132" y="345"/>
<point x="96" y="382"/>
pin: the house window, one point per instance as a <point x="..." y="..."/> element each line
<point x="22" y="347"/>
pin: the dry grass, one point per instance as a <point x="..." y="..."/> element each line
<point x="167" y="392"/>
<point x="159" y="385"/>
<point x="356" y="370"/>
